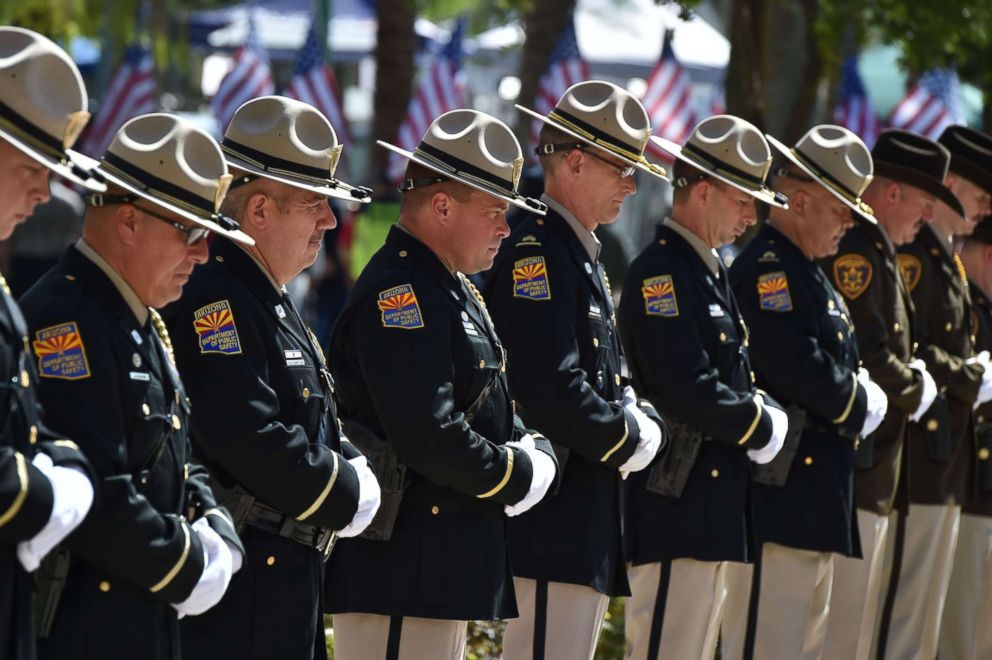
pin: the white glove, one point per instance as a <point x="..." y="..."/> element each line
<point x="985" y="389"/>
<point x="780" y="427"/>
<point x="217" y="571"/>
<point x="878" y="403"/>
<point x="629" y="396"/>
<point x="929" y="389"/>
<point x="647" y="444"/>
<point x="541" y="479"/>
<point x="72" y="496"/>
<point x="369" y="498"/>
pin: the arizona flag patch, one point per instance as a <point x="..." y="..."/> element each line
<point x="214" y="325"/>
<point x="400" y="308"/>
<point x="659" y="296"/>
<point x="530" y="279"/>
<point x="852" y="274"/>
<point x="773" y="292"/>
<point x="61" y="353"/>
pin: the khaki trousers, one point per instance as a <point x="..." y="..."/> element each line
<point x="856" y="593"/>
<point x="966" y="629"/>
<point x="914" y="606"/>
<point x="377" y="637"/>
<point x="675" y="609"/>
<point x="790" y="620"/>
<point x="557" y="621"/>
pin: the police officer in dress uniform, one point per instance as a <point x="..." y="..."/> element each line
<point x="45" y="482"/>
<point x="155" y="547"/>
<point x="422" y="381"/>
<point x="688" y="347"/>
<point x="266" y="421"/>
<point x="909" y="177"/>
<point x="965" y="633"/>
<point x="940" y="468"/>
<point x="554" y="309"/>
<point x="803" y="502"/>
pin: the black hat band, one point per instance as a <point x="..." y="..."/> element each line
<point x="155" y="186"/>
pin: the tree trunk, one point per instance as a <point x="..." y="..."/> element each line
<point x="745" y="82"/>
<point x="543" y="23"/>
<point x="394" y="75"/>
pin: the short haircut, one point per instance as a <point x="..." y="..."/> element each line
<point x="235" y="203"/>
<point x="552" y="135"/>
<point x="692" y="176"/>
<point x="414" y="197"/>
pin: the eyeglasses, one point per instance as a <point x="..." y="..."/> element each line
<point x="193" y="234"/>
<point x="624" y="171"/>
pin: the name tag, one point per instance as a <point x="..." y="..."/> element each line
<point x="136" y="336"/>
<point x="470" y="329"/>
<point x="140" y="375"/>
<point x="715" y="310"/>
<point x="833" y="312"/>
<point x="595" y="312"/>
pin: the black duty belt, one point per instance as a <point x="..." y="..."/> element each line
<point x="269" y="520"/>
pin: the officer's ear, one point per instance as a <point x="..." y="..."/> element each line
<point x="126" y="218"/>
<point x="893" y="192"/>
<point x="987" y="253"/>
<point x="256" y="210"/>
<point x="799" y="201"/>
<point x="441" y="205"/>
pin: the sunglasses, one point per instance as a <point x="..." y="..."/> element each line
<point x="624" y="171"/>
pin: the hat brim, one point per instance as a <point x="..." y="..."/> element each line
<point x="857" y="205"/>
<point x="69" y="168"/>
<point x="526" y="203"/>
<point x="333" y="188"/>
<point x="911" y="177"/>
<point x="203" y="221"/>
<point x="643" y="164"/>
<point x="763" y="193"/>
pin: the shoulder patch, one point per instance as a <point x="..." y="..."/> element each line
<point x="530" y="279"/>
<point x="215" y="328"/>
<point x="400" y="308"/>
<point x="61" y="353"/>
<point x="773" y="292"/>
<point x="852" y="274"/>
<point x="659" y="296"/>
<point x="911" y="269"/>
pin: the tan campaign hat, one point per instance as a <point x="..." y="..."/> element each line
<point x="731" y="150"/>
<point x="837" y="159"/>
<point x="475" y="149"/>
<point x="42" y="103"/>
<point x="173" y="164"/>
<point x="603" y="115"/>
<point x="288" y="141"/>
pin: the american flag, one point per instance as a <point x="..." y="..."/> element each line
<point x="439" y="92"/>
<point x="131" y="92"/>
<point x="565" y="68"/>
<point x="854" y="109"/>
<point x="667" y="100"/>
<point x="931" y="105"/>
<point x="313" y="82"/>
<point x="248" y="78"/>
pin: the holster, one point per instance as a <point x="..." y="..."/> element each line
<point x="669" y="475"/>
<point x="49" y="580"/>
<point x="236" y="500"/>
<point x="936" y="428"/>
<point x="776" y="472"/>
<point x="389" y="470"/>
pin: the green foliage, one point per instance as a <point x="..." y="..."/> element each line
<point x="611" y="644"/>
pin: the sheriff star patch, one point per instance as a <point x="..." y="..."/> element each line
<point x="530" y="279"/>
<point x="214" y="325"/>
<point x="400" y="308"/>
<point x="773" y="292"/>
<point x="659" y="296"/>
<point x="61" y="353"/>
<point x="852" y="274"/>
<point x="911" y="269"/>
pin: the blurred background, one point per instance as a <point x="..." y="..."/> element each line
<point x="383" y="69"/>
